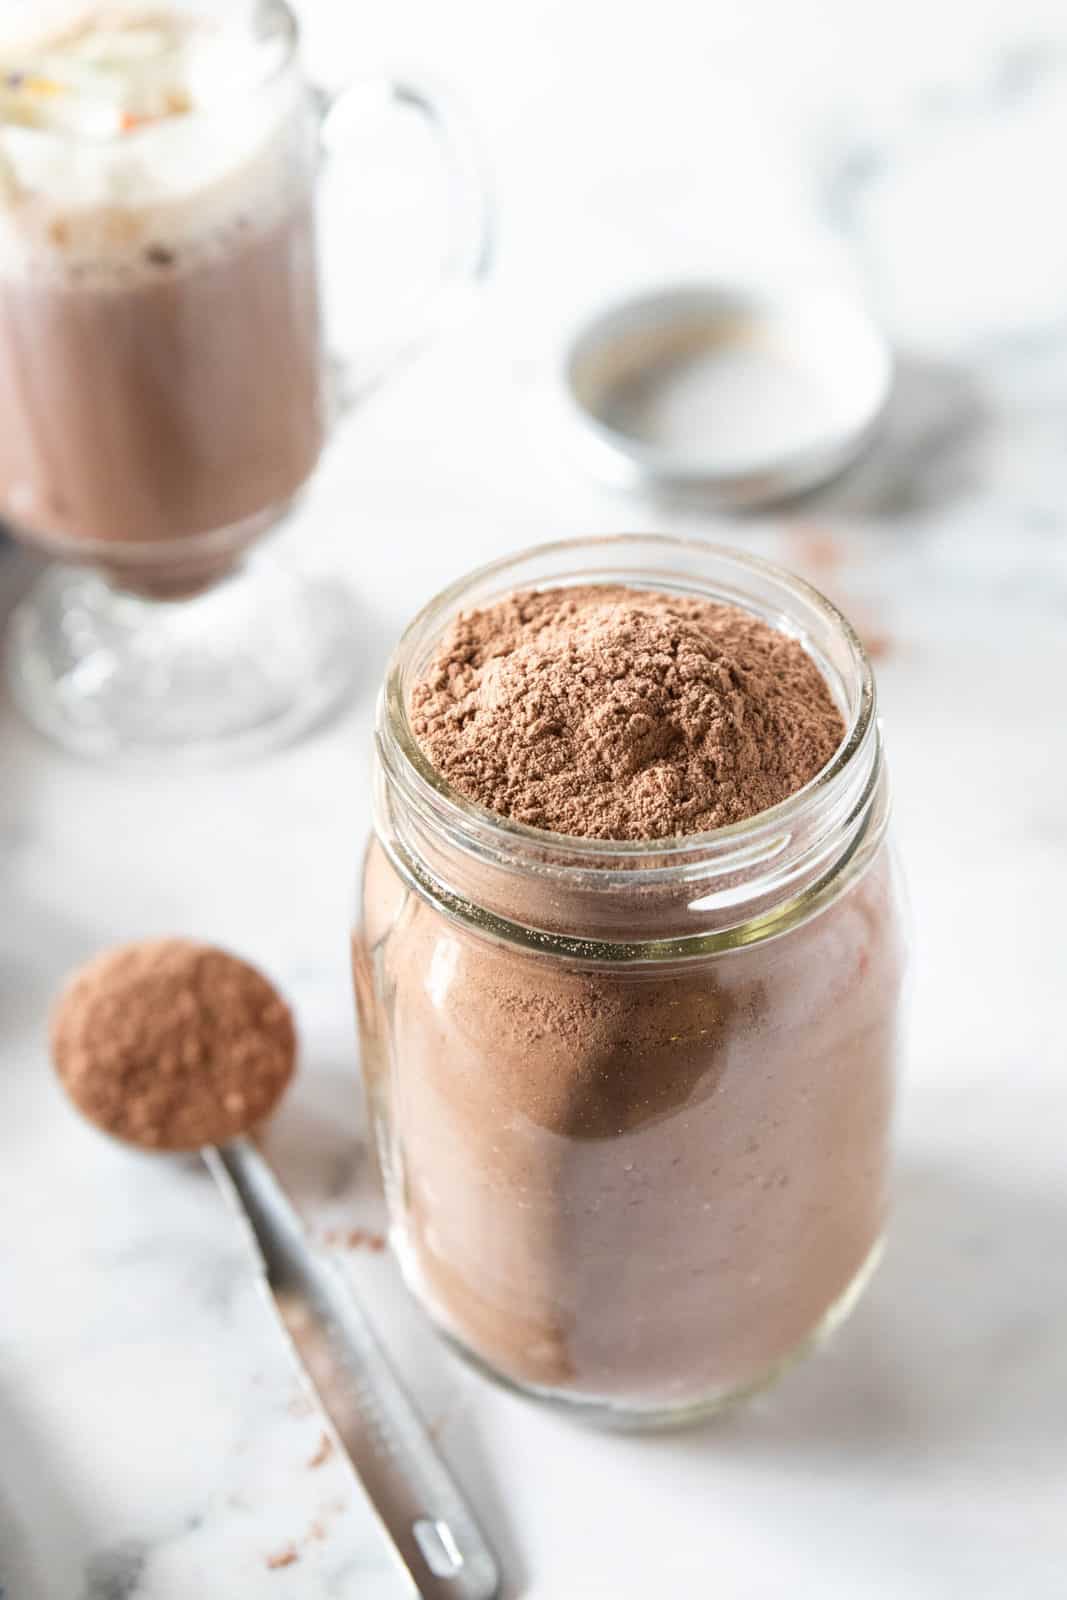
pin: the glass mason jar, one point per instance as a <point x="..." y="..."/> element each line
<point x="633" y="1100"/>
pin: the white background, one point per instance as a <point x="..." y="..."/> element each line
<point x="150" y="1441"/>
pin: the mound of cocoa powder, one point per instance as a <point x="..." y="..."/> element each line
<point x="172" y="1045"/>
<point x="615" y="713"/>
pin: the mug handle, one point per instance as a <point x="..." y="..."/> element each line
<point x="342" y="115"/>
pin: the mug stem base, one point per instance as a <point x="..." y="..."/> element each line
<point x="240" y="669"/>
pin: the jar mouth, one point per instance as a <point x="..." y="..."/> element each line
<point x="744" y="842"/>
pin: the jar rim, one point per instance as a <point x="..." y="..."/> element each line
<point x="737" y="839"/>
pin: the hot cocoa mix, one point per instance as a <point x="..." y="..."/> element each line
<point x="646" y="1182"/>
<point x="608" y="713"/>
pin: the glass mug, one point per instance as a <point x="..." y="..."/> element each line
<point x="164" y="388"/>
<point x="633" y="1101"/>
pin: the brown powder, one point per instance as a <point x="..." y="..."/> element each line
<point x="354" y="1239"/>
<point x="172" y="1045"/>
<point x="282" y="1558"/>
<point x="638" y="1182"/>
<point x="615" y="713"/>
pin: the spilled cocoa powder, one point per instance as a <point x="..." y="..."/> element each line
<point x="614" y="713"/>
<point x="281" y="1558"/>
<point x="172" y="1045"/>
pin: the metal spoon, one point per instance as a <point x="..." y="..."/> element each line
<point x="419" y="1507"/>
<point x="167" y="1043"/>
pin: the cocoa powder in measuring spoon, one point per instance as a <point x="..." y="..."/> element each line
<point x="172" y="1045"/>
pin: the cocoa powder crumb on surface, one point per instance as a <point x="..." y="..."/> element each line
<point x="172" y="1045"/>
<point x="363" y="1239"/>
<point x="815" y="549"/>
<point x="878" y="642"/>
<point x="282" y="1558"/>
<point x="354" y="1239"/>
<point x="615" y="713"/>
<point x="323" y="1452"/>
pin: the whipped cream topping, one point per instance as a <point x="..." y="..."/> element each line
<point x="115" y="69"/>
<point x="126" y="126"/>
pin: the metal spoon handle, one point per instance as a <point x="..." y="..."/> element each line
<point x="418" y="1504"/>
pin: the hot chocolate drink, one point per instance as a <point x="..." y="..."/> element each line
<point x="160" y="348"/>
<point x="623" y="1169"/>
<point x="164" y="388"/>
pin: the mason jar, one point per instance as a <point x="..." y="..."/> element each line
<point x="633" y="1100"/>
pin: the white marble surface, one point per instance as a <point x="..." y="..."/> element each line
<point x="152" y="1441"/>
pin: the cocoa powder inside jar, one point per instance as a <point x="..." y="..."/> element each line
<point x="638" y="1182"/>
<point x="616" y="713"/>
